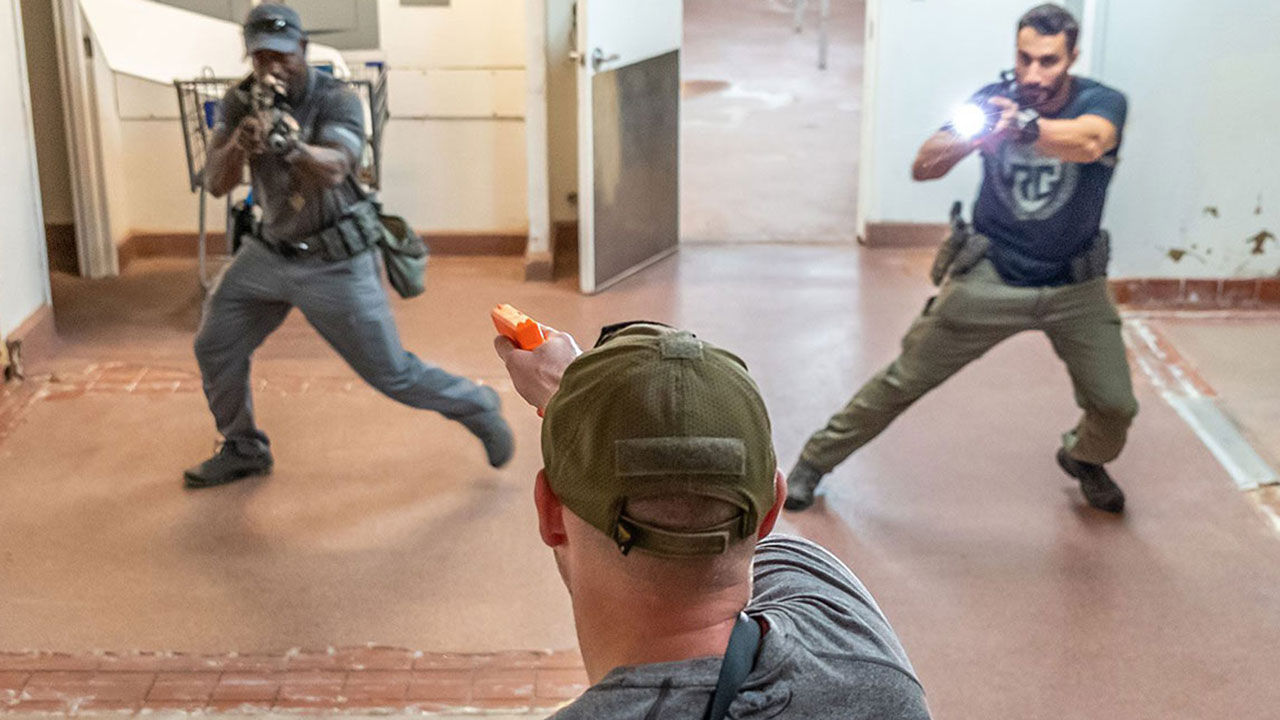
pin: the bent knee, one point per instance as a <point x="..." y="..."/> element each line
<point x="1123" y="409"/>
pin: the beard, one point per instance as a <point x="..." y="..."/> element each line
<point x="1036" y="95"/>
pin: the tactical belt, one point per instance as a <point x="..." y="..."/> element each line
<point x="355" y="232"/>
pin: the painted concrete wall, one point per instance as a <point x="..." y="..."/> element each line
<point x="46" y="111"/>
<point x="455" y="146"/>
<point x="24" y="277"/>
<point x="1197" y="193"/>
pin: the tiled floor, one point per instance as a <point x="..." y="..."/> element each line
<point x="353" y="680"/>
<point x="382" y="525"/>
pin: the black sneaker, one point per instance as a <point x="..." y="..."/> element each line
<point x="226" y="466"/>
<point x="1099" y="489"/>
<point x="802" y="481"/>
<point x="493" y="431"/>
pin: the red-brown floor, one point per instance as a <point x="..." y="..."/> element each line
<point x="383" y="526"/>
<point x="753" y="92"/>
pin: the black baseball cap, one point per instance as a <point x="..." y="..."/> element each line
<point x="272" y="26"/>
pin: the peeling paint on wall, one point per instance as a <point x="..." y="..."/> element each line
<point x="1259" y="241"/>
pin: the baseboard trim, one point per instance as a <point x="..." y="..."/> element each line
<point x="1197" y="293"/>
<point x="37" y="337"/>
<point x="903" y="234"/>
<point x="142" y="245"/>
<point x="539" y="267"/>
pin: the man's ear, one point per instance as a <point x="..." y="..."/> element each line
<point x="550" y="512"/>
<point x="779" y="497"/>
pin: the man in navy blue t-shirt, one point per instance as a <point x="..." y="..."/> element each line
<point x="1036" y="260"/>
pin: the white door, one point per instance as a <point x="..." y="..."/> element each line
<point x="628" y="54"/>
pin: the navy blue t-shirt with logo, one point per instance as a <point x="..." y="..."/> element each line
<point x="1040" y="211"/>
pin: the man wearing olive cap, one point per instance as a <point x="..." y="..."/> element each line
<point x="313" y="251"/>
<point x="658" y="494"/>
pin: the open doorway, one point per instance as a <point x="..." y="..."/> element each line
<point x="770" y="140"/>
<point x="52" y="155"/>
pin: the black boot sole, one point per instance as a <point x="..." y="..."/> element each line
<point x="192" y="482"/>
<point x="1065" y="462"/>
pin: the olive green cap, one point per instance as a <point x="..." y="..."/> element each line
<point x="654" y="411"/>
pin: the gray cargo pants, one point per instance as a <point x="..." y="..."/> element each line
<point x="346" y="303"/>
<point x="971" y="314"/>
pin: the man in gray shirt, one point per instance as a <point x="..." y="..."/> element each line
<point x="659" y="491"/>
<point x="302" y="134"/>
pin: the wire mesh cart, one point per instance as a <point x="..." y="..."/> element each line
<point x="198" y="106"/>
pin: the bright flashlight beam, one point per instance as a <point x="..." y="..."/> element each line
<point x="969" y="120"/>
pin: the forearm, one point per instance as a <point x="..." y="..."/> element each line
<point x="939" y="154"/>
<point x="1077" y="141"/>
<point x="320" y="166"/>
<point x="224" y="168"/>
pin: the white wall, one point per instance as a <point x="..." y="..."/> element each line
<point x="24" y="276"/>
<point x="1203" y="81"/>
<point x="924" y="57"/>
<point x="455" y="146"/>
<point x="120" y="183"/>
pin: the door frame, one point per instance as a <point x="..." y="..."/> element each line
<point x="95" y="248"/>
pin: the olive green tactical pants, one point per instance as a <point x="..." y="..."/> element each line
<point x="971" y="314"/>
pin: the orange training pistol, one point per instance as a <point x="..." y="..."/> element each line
<point x="521" y="329"/>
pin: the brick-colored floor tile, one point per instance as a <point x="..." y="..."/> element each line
<point x="64" y="392"/>
<point x="172" y="706"/>
<point x="156" y="662"/>
<point x="252" y="663"/>
<point x="239" y="707"/>
<point x="156" y="388"/>
<point x="509" y="704"/>
<point x="254" y="687"/>
<point x="561" y="660"/>
<point x="127" y="687"/>
<point x="39" y="706"/>
<point x="443" y="661"/>
<point x="313" y="660"/>
<point x="440" y="685"/>
<point x="184" y="686"/>
<point x="109" y="705"/>
<point x="57" y="685"/>
<point x="377" y="686"/>
<point x="320" y="706"/>
<point x="503" y="684"/>
<point x="376" y="658"/>
<point x="561" y="684"/>
<point x="161" y="374"/>
<point x="13" y="680"/>
<point x="43" y="661"/>
<point x="509" y="660"/>
<point x="311" y="686"/>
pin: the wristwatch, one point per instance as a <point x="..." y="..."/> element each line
<point x="1027" y="122"/>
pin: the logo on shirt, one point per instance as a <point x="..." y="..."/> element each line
<point x="1033" y="186"/>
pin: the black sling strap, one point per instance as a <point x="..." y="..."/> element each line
<point x="739" y="658"/>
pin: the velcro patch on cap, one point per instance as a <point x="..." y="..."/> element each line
<point x="680" y="456"/>
<point x="680" y="345"/>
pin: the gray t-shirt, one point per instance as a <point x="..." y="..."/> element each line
<point x="829" y="653"/>
<point x="328" y="113"/>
